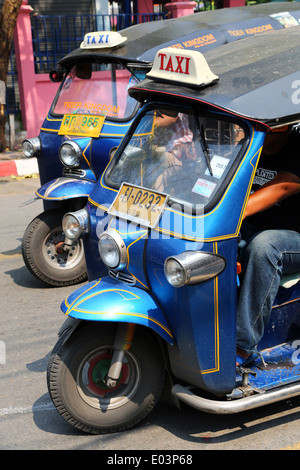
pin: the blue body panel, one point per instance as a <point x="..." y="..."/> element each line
<point x="106" y="300"/>
<point x="96" y="150"/>
<point x="65" y="188"/>
<point x="95" y="158"/>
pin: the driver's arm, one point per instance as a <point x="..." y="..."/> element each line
<point x="284" y="185"/>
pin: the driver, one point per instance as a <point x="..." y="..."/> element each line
<point x="175" y="140"/>
<point x="272" y="233"/>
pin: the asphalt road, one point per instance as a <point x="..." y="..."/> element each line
<point x="30" y="317"/>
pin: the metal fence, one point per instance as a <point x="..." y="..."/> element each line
<point x="55" y="35"/>
<point x="12" y="86"/>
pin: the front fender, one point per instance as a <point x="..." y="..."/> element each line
<point x="65" y="188"/>
<point x="108" y="300"/>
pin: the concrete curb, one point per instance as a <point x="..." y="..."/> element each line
<point x="10" y="166"/>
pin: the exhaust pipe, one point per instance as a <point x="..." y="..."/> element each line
<point x="238" y="405"/>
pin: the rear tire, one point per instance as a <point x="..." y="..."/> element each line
<point x="42" y="257"/>
<point x="75" y="379"/>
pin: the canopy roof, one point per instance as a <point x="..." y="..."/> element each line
<point x="201" y="31"/>
<point x="259" y="78"/>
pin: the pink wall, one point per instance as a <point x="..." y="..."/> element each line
<point x="145" y="6"/>
<point x="36" y="90"/>
<point x="180" y="8"/>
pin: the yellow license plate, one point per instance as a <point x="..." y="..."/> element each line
<point x="86" y="125"/>
<point x="138" y="205"/>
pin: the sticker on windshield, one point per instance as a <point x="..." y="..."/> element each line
<point x="218" y="165"/>
<point x="204" y="187"/>
<point x="94" y="108"/>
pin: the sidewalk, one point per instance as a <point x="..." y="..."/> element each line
<point x="13" y="163"/>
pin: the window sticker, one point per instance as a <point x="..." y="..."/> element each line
<point x="204" y="187"/>
<point x="218" y="165"/>
<point x="285" y="18"/>
<point x="92" y="107"/>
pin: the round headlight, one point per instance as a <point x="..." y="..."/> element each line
<point x="109" y="252"/>
<point x="31" y="147"/>
<point x="75" y="224"/>
<point x="70" y="154"/>
<point x="193" y="267"/>
<point x="112" y="249"/>
<point x="175" y="272"/>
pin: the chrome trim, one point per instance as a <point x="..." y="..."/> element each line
<point x="78" y="153"/>
<point x="83" y="221"/>
<point x="35" y="142"/>
<point x="198" y="266"/>
<point x="76" y="172"/>
<point x="122" y="277"/>
<point x="120" y="245"/>
<point x="238" y="405"/>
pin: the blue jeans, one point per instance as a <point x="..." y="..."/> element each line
<point x="266" y="257"/>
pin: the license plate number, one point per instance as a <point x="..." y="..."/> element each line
<point x="139" y="205"/>
<point x="85" y="125"/>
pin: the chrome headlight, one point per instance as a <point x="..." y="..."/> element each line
<point x="112" y="249"/>
<point x="70" y="154"/>
<point x="75" y="224"/>
<point x="193" y="267"/>
<point x="31" y="147"/>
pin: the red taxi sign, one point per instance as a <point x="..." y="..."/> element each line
<point x="102" y="40"/>
<point x="184" y="66"/>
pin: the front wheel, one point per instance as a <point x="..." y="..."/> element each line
<point x="76" y="379"/>
<point x="45" y="255"/>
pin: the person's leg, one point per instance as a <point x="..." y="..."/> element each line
<point x="267" y="256"/>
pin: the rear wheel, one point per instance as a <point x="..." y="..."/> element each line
<point x="77" y="372"/>
<point x="45" y="255"/>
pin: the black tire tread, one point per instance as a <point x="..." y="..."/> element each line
<point x="55" y="364"/>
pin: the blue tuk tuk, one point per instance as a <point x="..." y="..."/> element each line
<point x="161" y="230"/>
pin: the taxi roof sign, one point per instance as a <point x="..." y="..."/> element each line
<point x="184" y="66"/>
<point x="102" y="40"/>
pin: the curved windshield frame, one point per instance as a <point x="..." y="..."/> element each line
<point x="97" y="89"/>
<point x="185" y="153"/>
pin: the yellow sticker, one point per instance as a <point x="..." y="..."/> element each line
<point x="85" y="125"/>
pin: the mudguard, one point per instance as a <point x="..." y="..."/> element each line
<point x="65" y="188"/>
<point x="108" y="300"/>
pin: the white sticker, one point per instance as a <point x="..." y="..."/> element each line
<point x="218" y="165"/>
<point x="203" y="187"/>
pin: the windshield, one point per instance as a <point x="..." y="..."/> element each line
<point x="184" y="154"/>
<point x="96" y="89"/>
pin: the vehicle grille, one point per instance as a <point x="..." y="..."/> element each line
<point x="121" y="276"/>
<point x="74" y="172"/>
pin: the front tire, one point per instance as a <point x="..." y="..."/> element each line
<point x="77" y="371"/>
<point x="44" y="256"/>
